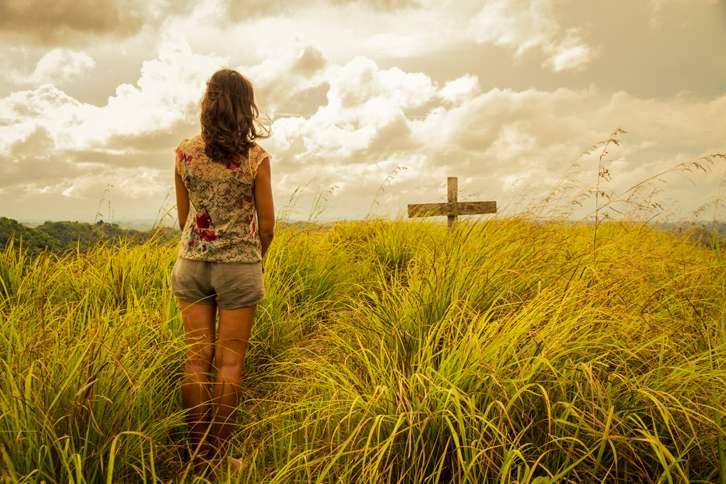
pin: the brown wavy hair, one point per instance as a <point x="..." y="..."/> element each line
<point x="228" y="115"/>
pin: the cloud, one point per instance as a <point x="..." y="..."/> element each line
<point x="362" y="100"/>
<point x="460" y="89"/>
<point x="570" y="53"/>
<point x="36" y="165"/>
<point x="357" y="131"/>
<point x="152" y="140"/>
<point x="31" y="160"/>
<point x="525" y="25"/>
<point x="375" y="120"/>
<point x="293" y="83"/>
<point x="59" y="65"/>
<point x="385" y="5"/>
<point x="250" y="9"/>
<point x="309" y="61"/>
<point x="135" y="183"/>
<point x="167" y="92"/>
<point x="50" y="22"/>
<point x="658" y="7"/>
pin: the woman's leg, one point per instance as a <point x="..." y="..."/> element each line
<point x="235" y="327"/>
<point x="199" y="335"/>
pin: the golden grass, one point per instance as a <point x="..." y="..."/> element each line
<point x="385" y="351"/>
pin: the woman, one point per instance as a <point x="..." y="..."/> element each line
<point x="225" y="209"/>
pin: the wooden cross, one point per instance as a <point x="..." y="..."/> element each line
<point x="452" y="208"/>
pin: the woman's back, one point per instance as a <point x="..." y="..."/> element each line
<point x="226" y="213"/>
<point x="222" y="221"/>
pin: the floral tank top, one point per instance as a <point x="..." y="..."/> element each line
<point x="222" y="221"/>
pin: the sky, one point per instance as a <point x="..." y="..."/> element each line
<point x="372" y="104"/>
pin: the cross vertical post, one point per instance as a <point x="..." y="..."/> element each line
<point x="452" y="196"/>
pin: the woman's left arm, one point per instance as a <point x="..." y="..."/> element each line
<point x="182" y="199"/>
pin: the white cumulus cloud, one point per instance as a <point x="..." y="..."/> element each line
<point x="369" y="133"/>
<point x="530" y="24"/>
<point x="60" y="65"/>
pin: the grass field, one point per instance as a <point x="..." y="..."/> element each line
<point x="385" y="351"/>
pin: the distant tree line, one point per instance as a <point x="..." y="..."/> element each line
<point x="709" y="234"/>
<point x="61" y="236"/>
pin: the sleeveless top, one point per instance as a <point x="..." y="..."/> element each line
<point x="222" y="221"/>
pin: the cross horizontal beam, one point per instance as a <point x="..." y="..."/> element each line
<point x="452" y="208"/>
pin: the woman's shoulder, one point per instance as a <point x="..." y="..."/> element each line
<point x="256" y="157"/>
<point x="259" y="151"/>
<point x="190" y="145"/>
<point x="182" y="145"/>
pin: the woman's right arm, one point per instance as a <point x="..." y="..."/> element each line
<point x="264" y="204"/>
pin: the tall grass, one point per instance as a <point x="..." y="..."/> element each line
<point x="385" y="351"/>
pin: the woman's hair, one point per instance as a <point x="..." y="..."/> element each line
<point x="228" y="115"/>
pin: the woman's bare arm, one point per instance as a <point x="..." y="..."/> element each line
<point x="182" y="200"/>
<point x="264" y="204"/>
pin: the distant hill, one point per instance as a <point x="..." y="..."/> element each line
<point x="61" y="236"/>
<point x="708" y="234"/>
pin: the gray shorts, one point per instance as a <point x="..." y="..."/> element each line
<point x="229" y="285"/>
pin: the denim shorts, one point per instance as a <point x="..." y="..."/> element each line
<point x="229" y="285"/>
